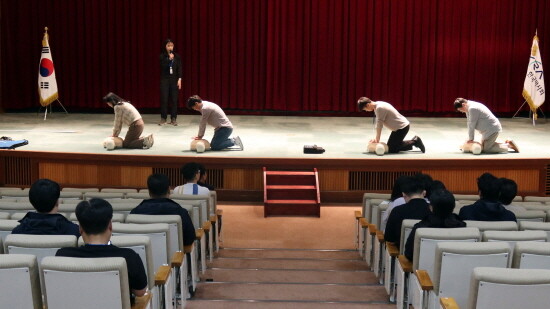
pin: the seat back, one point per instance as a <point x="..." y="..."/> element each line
<point x="377" y="214"/>
<point x="530" y="215"/>
<point x="82" y="190"/>
<point x="13" y="192"/>
<point x="138" y="196"/>
<point x="6" y="226"/>
<point x="124" y="207"/>
<point x="70" y="195"/>
<point x="533" y="255"/>
<point x="39" y="245"/>
<point x="467" y="197"/>
<point x="511" y="237"/>
<point x="85" y="282"/>
<point x="207" y="198"/>
<point x="535" y="226"/>
<point x="20" y="281"/>
<point x="159" y="233"/>
<point x="12" y="207"/>
<point x="199" y="213"/>
<point x="174" y="222"/>
<point x="426" y="239"/>
<point x="492" y="225"/>
<point x="406" y="228"/>
<point x="117" y="217"/>
<point x="119" y="190"/>
<point x="142" y="246"/>
<point x="455" y="261"/>
<point x="542" y="199"/>
<point x="103" y="195"/>
<point x="509" y="288"/>
<point x="4" y="215"/>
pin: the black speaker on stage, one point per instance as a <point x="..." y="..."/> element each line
<point x="313" y="149"/>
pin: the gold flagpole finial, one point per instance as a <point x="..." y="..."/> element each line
<point x="46" y="29"/>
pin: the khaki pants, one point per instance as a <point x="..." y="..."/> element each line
<point x="132" y="138"/>
<point x="491" y="146"/>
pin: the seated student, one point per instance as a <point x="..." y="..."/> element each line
<point x="161" y="204"/>
<point x="508" y="191"/>
<point x="416" y="207"/>
<point x="44" y="197"/>
<point x="442" y="204"/>
<point x="202" y="178"/>
<point x="191" y="174"/>
<point x="488" y="207"/>
<point x="96" y="227"/>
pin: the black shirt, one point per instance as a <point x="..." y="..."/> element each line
<point x="46" y="224"/>
<point x="415" y="209"/>
<point x="166" y="206"/>
<point x="165" y="64"/>
<point x="486" y="210"/>
<point x="136" y="271"/>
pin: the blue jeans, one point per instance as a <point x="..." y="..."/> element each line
<point x="221" y="139"/>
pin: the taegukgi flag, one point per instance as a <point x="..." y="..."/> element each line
<point x="47" y="85"/>
<point x="533" y="87"/>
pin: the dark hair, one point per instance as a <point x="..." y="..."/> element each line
<point x="193" y="100"/>
<point x="412" y="186"/>
<point x="458" y="103"/>
<point x="425" y="179"/>
<point x="443" y="203"/>
<point x="362" y="102"/>
<point x="189" y="171"/>
<point x="44" y="194"/>
<point x="489" y="187"/>
<point x="158" y="185"/>
<point x="508" y="191"/>
<point x="396" y="191"/>
<point x="435" y="186"/>
<point x="113" y="99"/>
<point x="163" y="49"/>
<point x="94" y="215"/>
<point x="202" y="169"/>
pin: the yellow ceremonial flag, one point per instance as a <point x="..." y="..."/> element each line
<point x="533" y="86"/>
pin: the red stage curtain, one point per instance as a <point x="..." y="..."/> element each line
<point x="277" y="55"/>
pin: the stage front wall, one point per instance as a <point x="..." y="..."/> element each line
<point x="241" y="179"/>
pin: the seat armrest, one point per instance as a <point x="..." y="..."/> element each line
<point x="406" y="265"/>
<point x="392" y="249"/>
<point x="219" y="212"/>
<point x="206" y="226"/>
<point x="213" y="219"/>
<point x="372" y="229"/>
<point x="424" y="280"/>
<point x="448" y="303"/>
<point x="199" y="233"/>
<point x="177" y="259"/>
<point x="364" y="223"/>
<point x="358" y="214"/>
<point x="161" y="277"/>
<point x="142" y="301"/>
<point x="380" y="236"/>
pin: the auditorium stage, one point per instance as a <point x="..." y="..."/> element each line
<point x="64" y="145"/>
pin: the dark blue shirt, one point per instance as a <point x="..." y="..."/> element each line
<point x="46" y="224"/>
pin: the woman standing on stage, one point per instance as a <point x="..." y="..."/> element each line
<point x="126" y="113"/>
<point x="170" y="82"/>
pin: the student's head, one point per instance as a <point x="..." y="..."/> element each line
<point x="167" y="46"/>
<point x="112" y="99"/>
<point x="459" y="104"/>
<point x="488" y="186"/>
<point x="426" y="181"/>
<point x="396" y="190"/>
<point x="193" y="102"/>
<point x="44" y="194"/>
<point x="508" y="191"/>
<point x="190" y="172"/>
<point x="94" y="216"/>
<point x="435" y="186"/>
<point x="412" y="187"/>
<point x="202" y="170"/>
<point x="363" y="103"/>
<point x="158" y="185"/>
<point x="442" y="202"/>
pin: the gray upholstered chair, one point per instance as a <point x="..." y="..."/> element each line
<point x="20" y="281"/>
<point x="534" y="255"/>
<point x="39" y="245"/>
<point x="512" y="237"/>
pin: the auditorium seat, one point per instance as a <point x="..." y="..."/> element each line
<point x="200" y="207"/>
<point x="425" y="242"/>
<point x="530" y="215"/>
<point x="4" y="215"/>
<point x="71" y="195"/>
<point x="20" y="281"/>
<point x="533" y="255"/>
<point x="140" y="195"/>
<point x="535" y="206"/>
<point x="103" y="195"/>
<point x="369" y="205"/>
<point x="543" y="199"/>
<point x="492" y="225"/>
<point x="509" y="288"/>
<point x="453" y="266"/>
<point x="39" y="245"/>
<point x="124" y="208"/>
<point x="530" y="226"/>
<point x="512" y="237"/>
<point x="6" y="226"/>
<point x="13" y="192"/>
<point x="86" y="283"/>
<point x="12" y="207"/>
<point x="466" y="197"/>
<point x="118" y="190"/>
<point x="117" y="217"/>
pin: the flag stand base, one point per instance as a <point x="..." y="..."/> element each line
<point x="531" y="115"/>
<point x="50" y="106"/>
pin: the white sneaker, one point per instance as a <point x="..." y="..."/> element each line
<point x="148" y="142"/>
<point x="238" y="142"/>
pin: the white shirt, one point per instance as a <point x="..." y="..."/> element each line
<point x="188" y="189"/>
